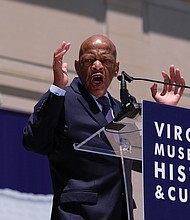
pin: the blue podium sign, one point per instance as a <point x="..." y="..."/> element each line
<point x="166" y="162"/>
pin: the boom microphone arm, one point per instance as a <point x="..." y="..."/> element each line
<point x="130" y="79"/>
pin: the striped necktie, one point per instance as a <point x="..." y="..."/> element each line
<point x="106" y="109"/>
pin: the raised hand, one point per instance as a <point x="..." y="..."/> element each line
<point x="59" y="68"/>
<point x="170" y="94"/>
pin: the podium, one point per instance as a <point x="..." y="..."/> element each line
<point x="160" y="138"/>
<point x="125" y="138"/>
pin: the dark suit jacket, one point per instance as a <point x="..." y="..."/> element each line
<point x="86" y="185"/>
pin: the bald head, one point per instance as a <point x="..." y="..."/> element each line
<point x="95" y="41"/>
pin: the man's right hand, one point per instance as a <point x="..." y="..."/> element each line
<point x="59" y="68"/>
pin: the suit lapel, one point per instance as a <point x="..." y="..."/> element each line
<point x="90" y="105"/>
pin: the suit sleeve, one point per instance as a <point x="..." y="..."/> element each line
<point x="38" y="134"/>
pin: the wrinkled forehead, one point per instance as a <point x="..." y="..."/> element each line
<point x="102" y="45"/>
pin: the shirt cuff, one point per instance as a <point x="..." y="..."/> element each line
<point x="57" y="91"/>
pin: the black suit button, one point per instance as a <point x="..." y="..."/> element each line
<point x="123" y="195"/>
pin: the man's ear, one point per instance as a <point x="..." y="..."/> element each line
<point x="116" y="69"/>
<point x="77" y="66"/>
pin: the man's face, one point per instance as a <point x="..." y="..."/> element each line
<point x="97" y="65"/>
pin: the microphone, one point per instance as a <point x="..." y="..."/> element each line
<point x="126" y="76"/>
<point x="133" y="108"/>
<point x="130" y="79"/>
<point x="124" y="94"/>
<point x="129" y="106"/>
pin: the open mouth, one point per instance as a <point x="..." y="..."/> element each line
<point x="97" y="78"/>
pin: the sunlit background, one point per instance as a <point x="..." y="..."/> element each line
<point x="150" y="35"/>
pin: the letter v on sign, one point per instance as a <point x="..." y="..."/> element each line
<point x="159" y="129"/>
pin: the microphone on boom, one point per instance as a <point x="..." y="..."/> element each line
<point x="130" y="108"/>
